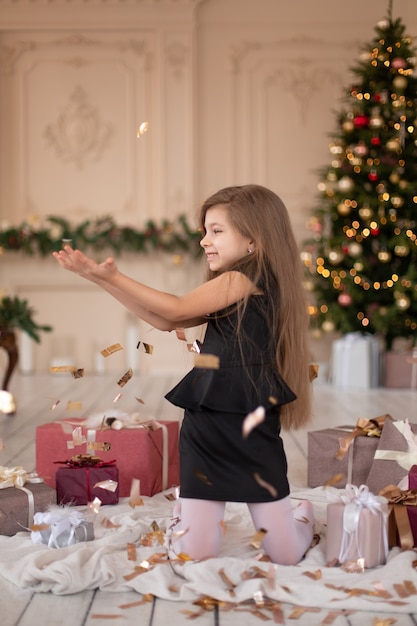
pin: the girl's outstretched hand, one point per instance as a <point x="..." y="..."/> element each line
<point x="77" y="262"/>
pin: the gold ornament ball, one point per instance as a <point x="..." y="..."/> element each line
<point x="348" y="126"/>
<point x="354" y="249"/>
<point x="400" y="82"/>
<point x="394" y="178"/>
<point x="397" y="201"/>
<point x="365" y="213"/>
<point x="403" y="302"/>
<point x="384" y="256"/>
<point x="393" y="145"/>
<point x="343" y="209"/>
<point x="328" y="326"/>
<point x="401" y="250"/>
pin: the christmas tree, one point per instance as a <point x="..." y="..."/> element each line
<point x="361" y="261"/>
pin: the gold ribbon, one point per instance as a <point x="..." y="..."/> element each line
<point x="364" y="428"/>
<point x="398" y="516"/>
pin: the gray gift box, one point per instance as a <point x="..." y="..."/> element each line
<point x="322" y="461"/>
<point x="14" y="506"/>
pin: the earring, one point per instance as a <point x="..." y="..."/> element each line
<point x="250" y="250"/>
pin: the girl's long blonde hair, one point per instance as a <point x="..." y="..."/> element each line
<point x="258" y="213"/>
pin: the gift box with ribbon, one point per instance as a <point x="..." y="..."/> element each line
<point x="22" y="494"/>
<point x="400" y="369"/>
<point x="394" y="457"/>
<point x="147" y="451"/>
<point x="61" y="526"/>
<point x="86" y="477"/>
<point x="402" y="528"/>
<point x="356" y="361"/>
<point x="357" y="527"/>
<point x="343" y="454"/>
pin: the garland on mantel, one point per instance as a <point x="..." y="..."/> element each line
<point x="41" y="237"/>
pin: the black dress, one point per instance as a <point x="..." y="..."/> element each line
<point x="216" y="461"/>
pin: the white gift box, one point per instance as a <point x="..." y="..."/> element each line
<point x="356" y="361"/>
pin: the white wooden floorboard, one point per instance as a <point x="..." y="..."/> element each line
<point x="36" y="395"/>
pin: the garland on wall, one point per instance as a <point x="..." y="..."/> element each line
<point x="100" y="234"/>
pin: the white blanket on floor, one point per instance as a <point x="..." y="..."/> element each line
<point x="103" y="564"/>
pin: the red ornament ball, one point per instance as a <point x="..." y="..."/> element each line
<point x="373" y="176"/>
<point x="344" y="299"/>
<point x="361" y="121"/>
<point x="375" y="141"/>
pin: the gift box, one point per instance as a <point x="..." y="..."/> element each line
<point x="400" y="371"/>
<point x="19" y="504"/>
<point x="357" y="528"/>
<point x="148" y="451"/>
<point x="345" y="452"/>
<point x="356" y="361"/>
<point x="402" y="529"/>
<point x="61" y="526"/>
<point x="81" y="481"/>
<point x="395" y="455"/>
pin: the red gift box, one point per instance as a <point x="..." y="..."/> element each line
<point x="80" y="484"/>
<point x="148" y="452"/>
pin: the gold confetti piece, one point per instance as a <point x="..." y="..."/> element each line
<point x="147" y="347"/>
<point x="173" y="588"/>
<point x="135" y="499"/>
<point x="333" y="480"/>
<point x="108" y="485"/>
<point x="99" y="445"/>
<point x="300" y="610"/>
<point x="140" y="400"/>
<point x="223" y="526"/>
<point x="107" y="523"/>
<point x="94" y="506"/>
<point x="207" y="361"/>
<point x="313" y="372"/>
<point x="53" y="407"/>
<point x="63" y="369"/>
<point x="78" y="439"/>
<point x="111" y="349"/>
<point x="177" y="534"/>
<point x="354" y="567"/>
<point x="256" y="541"/>
<point x="78" y="373"/>
<point x="143" y="127"/>
<point x="131" y="605"/>
<point x="74" y="406"/>
<point x="266" y="485"/>
<point x="180" y="332"/>
<point x="125" y="378"/>
<point x="384" y="622"/>
<point x="273" y="400"/>
<point x="171" y="497"/>
<point x="131" y="552"/>
<point x="194" y="347"/>
<point x="105" y="616"/>
<point x="252" y="420"/>
<point x="317" y="575"/>
<point x="117" y="398"/>
<point x="202" y="477"/>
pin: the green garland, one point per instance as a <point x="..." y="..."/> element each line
<point x="101" y="234"/>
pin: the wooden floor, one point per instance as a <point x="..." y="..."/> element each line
<point x="43" y="398"/>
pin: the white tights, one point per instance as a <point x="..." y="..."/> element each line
<point x="289" y="531"/>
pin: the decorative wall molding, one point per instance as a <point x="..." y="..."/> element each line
<point x="79" y="134"/>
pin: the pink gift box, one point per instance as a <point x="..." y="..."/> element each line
<point x="387" y="471"/>
<point x="15" y="506"/>
<point x="370" y="540"/>
<point x="148" y="452"/>
<point x="399" y="371"/>
<point x="78" y="485"/>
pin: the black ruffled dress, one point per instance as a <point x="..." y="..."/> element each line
<point x="216" y="462"/>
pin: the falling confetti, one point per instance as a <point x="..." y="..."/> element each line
<point x="207" y="361"/>
<point x="252" y="420"/>
<point x="143" y="127"/>
<point x="125" y="378"/>
<point x="266" y="485"/>
<point x="111" y="349"/>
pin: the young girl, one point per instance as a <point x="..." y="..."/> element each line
<point x="257" y="329"/>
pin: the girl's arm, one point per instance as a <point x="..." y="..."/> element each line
<point x="162" y="310"/>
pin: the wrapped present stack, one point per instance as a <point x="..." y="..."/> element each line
<point x="22" y="495"/>
<point x="146" y="451"/>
